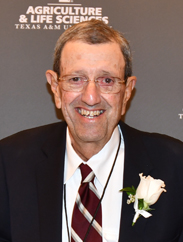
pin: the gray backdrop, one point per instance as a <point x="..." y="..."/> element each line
<point x="154" y="29"/>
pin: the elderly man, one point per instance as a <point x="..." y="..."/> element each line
<point x="62" y="182"/>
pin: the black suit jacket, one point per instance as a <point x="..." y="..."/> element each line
<point x="31" y="185"/>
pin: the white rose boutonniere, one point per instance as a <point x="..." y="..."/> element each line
<point x="147" y="193"/>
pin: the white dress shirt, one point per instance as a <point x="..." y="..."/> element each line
<point x="101" y="164"/>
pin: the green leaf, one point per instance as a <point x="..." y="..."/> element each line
<point x="129" y="190"/>
<point x="133" y="188"/>
<point x="140" y="204"/>
<point x="150" y="209"/>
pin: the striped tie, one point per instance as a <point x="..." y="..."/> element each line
<point x="85" y="208"/>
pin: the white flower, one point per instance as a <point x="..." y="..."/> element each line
<point x="131" y="199"/>
<point x="128" y="201"/>
<point x="150" y="189"/>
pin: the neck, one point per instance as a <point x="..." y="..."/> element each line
<point x="86" y="150"/>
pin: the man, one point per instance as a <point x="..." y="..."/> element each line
<point x="40" y="171"/>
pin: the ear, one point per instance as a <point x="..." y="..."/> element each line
<point x="51" y="77"/>
<point x="131" y="81"/>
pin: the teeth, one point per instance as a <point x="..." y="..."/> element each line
<point x="90" y="114"/>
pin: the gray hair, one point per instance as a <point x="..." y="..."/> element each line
<point x="93" y="32"/>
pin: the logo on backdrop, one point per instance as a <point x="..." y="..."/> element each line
<point x="180" y="115"/>
<point x="57" y="16"/>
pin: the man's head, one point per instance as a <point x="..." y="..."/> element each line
<point x="93" y="32"/>
<point x="91" y="84"/>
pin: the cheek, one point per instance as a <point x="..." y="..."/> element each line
<point x="115" y="102"/>
<point x="68" y="98"/>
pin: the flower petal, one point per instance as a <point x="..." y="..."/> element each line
<point x="143" y="186"/>
<point x="154" y="197"/>
<point x="150" y="189"/>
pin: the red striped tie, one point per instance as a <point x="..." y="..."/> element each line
<point x="86" y="204"/>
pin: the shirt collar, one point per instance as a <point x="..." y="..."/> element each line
<point x="72" y="160"/>
<point x="100" y="163"/>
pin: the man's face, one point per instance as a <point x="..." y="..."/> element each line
<point x="105" y="110"/>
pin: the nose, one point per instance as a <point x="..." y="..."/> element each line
<point x="91" y="94"/>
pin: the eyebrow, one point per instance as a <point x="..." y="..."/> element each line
<point x="83" y="73"/>
<point x="101" y="72"/>
<point x="106" y="72"/>
<point x="76" y="72"/>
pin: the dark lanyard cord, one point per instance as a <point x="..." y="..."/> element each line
<point x="65" y="207"/>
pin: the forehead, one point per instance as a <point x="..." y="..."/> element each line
<point x="91" y="57"/>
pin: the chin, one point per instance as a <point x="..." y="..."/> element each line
<point x="90" y="138"/>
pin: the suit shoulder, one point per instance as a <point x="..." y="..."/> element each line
<point x="156" y="141"/>
<point x="32" y="136"/>
<point x="163" y="142"/>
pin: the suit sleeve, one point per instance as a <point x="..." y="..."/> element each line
<point x="4" y="205"/>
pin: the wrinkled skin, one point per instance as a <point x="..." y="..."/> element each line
<point x="90" y="134"/>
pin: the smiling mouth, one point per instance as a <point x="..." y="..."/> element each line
<point x="89" y="114"/>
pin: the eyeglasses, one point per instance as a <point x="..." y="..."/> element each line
<point x="106" y="84"/>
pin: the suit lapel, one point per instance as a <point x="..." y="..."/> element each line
<point x="50" y="186"/>
<point x="136" y="161"/>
